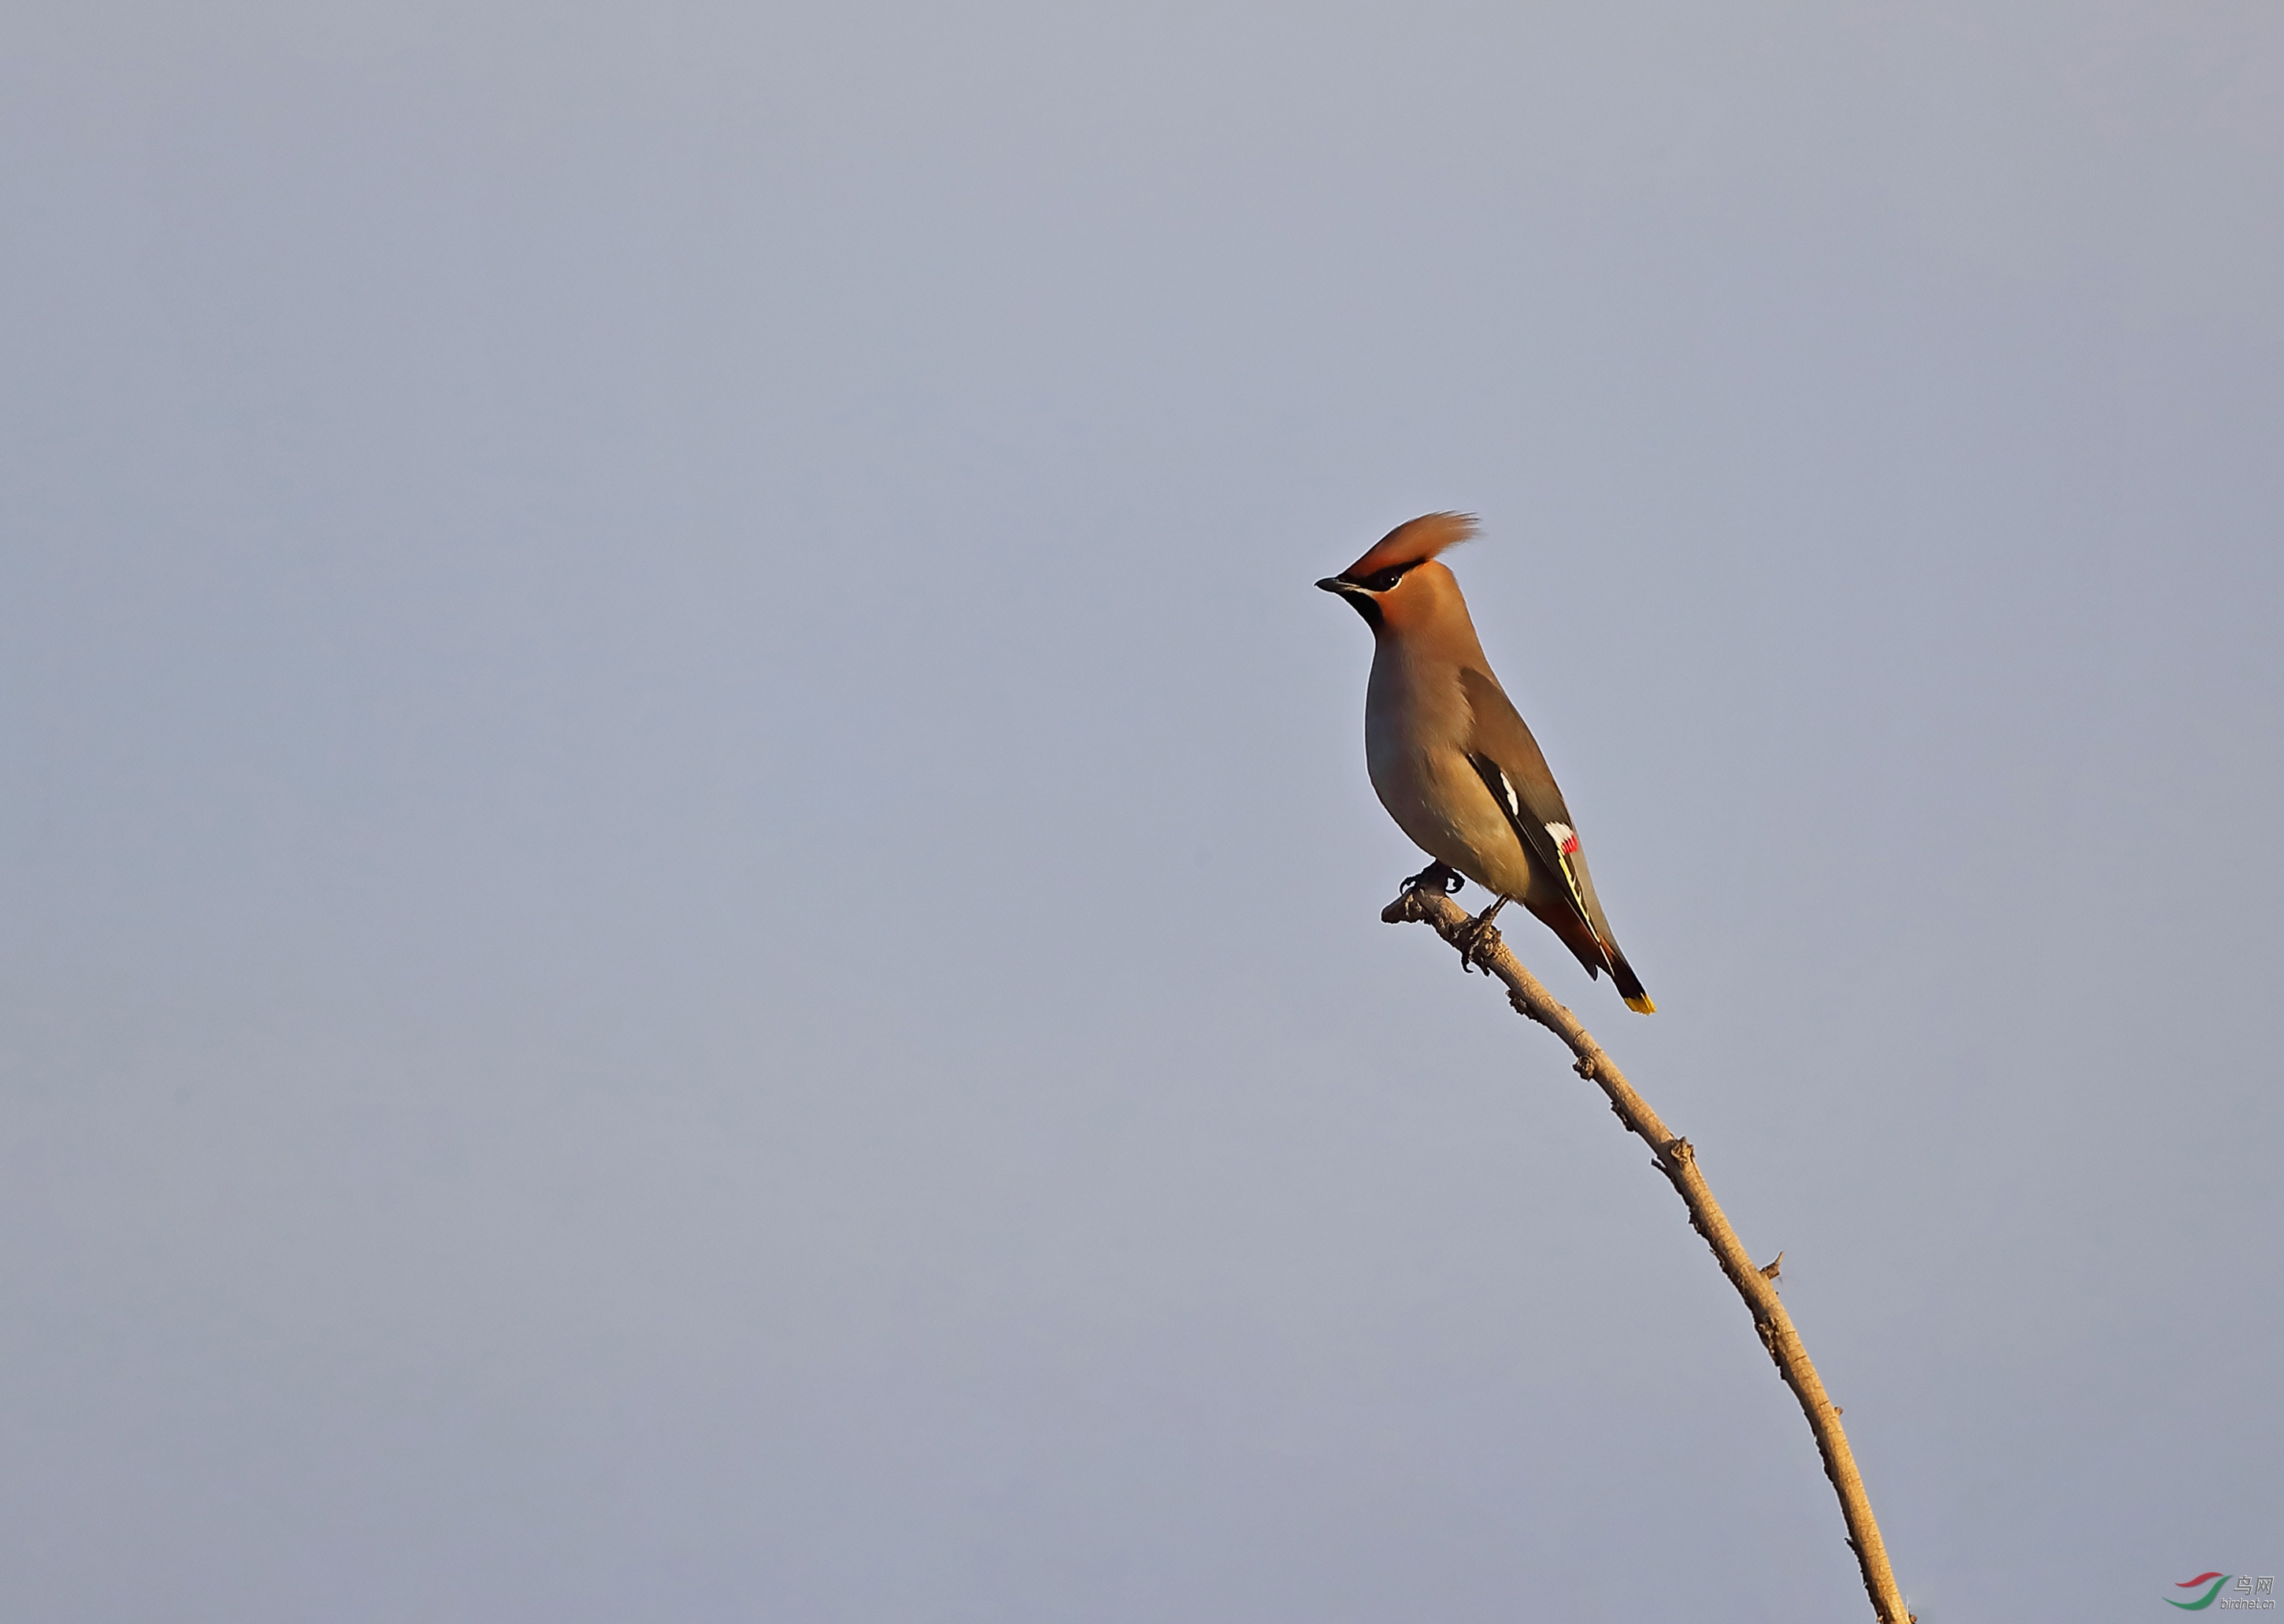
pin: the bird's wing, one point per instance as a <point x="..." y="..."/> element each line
<point x="1515" y="769"/>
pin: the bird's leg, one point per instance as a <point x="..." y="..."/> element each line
<point x="1479" y="938"/>
<point x="1438" y="877"/>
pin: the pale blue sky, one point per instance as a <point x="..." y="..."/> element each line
<point x="690" y="919"/>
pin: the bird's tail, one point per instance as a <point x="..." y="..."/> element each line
<point x="1629" y="984"/>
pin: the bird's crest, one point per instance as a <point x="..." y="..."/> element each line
<point x="1414" y="542"/>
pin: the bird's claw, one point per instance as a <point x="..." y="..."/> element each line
<point x="1478" y="939"/>
<point x="1437" y="877"/>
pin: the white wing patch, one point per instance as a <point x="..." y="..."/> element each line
<point x="1565" y="843"/>
<point x="1506" y="790"/>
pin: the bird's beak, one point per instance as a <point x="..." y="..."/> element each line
<point x="1357" y="597"/>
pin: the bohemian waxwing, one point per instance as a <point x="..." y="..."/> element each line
<point x="1452" y="760"/>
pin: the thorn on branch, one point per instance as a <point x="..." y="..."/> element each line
<point x="1771" y="1269"/>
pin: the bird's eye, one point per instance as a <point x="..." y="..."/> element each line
<point x="1380" y="581"/>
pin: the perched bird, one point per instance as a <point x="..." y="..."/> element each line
<point x="1453" y="762"/>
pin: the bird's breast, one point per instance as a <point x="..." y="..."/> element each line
<point x="1415" y="734"/>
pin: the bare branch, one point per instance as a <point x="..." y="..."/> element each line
<point x="1677" y="1161"/>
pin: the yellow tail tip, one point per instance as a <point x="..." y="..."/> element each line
<point x="1641" y="1006"/>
